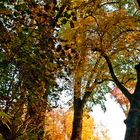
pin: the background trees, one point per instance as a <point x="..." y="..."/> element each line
<point x="59" y="126"/>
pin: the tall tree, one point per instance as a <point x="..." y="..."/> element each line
<point x="99" y="34"/>
<point x="80" y="66"/>
<point x="132" y="121"/>
<point x="27" y="42"/>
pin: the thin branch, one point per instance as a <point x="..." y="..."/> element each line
<point x="103" y="80"/>
<point x="128" y="80"/>
<point x="108" y="3"/>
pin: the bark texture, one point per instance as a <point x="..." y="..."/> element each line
<point x="78" y="120"/>
<point x="133" y="120"/>
<point x="133" y="126"/>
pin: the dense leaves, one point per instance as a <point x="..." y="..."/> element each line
<point x="28" y="70"/>
<point x="100" y="35"/>
<point x="85" y="44"/>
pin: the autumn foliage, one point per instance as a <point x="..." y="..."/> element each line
<point x="121" y="99"/>
<point x="58" y="126"/>
<point x="86" y="44"/>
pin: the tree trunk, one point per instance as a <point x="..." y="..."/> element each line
<point x="133" y="120"/>
<point x="133" y="125"/>
<point x="132" y="134"/>
<point x="6" y="132"/>
<point x="78" y="120"/>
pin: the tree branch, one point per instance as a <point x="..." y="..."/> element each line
<point x="108" y="3"/>
<point x="115" y="79"/>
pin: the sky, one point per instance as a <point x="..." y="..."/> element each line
<point x="112" y="119"/>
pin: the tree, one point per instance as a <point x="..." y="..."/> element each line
<point x="132" y="121"/>
<point x="97" y="37"/>
<point x="91" y="34"/>
<point x="27" y="42"/>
